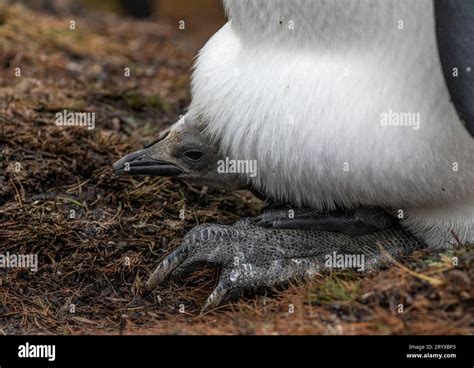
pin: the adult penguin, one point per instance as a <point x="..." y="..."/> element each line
<point x="345" y="108"/>
<point x="455" y="29"/>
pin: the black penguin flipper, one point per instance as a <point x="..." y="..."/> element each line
<point x="455" y="32"/>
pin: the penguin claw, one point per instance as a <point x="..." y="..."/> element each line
<point x="219" y="294"/>
<point x="201" y="245"/>
<point x="242" y="262"/>
<point x="253" y="259"/>
<point x="167" y="266"/>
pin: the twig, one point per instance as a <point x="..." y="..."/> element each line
<point x="431" y="280"/>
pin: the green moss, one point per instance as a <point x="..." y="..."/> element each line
<point x="436" y="259"/>
<point x="137" y="101"/>
<point x="64" y="36"/>
<point x="343" y="287"/>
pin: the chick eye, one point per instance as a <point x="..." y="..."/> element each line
<point x="193" y="155"/>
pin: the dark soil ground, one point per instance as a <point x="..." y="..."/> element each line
<point x="92" y="266"/>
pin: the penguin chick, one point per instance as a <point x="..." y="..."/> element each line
<point x="187" y="153"/>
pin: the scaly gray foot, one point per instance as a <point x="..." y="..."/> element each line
<point x="252" y="258"/>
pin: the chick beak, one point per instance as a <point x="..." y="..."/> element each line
<point x="141" y="163"/>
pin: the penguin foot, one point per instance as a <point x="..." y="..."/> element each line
<point x="359" y="221"/>
<point x="253" y="258"/>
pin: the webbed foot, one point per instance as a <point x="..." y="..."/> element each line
<point x="253" y="258"/>
<point x="359" y="221"/>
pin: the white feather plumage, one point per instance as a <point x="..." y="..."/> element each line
<point x="306" y="103"/>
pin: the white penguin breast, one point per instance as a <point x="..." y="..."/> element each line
<point x="313" y="122"/>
